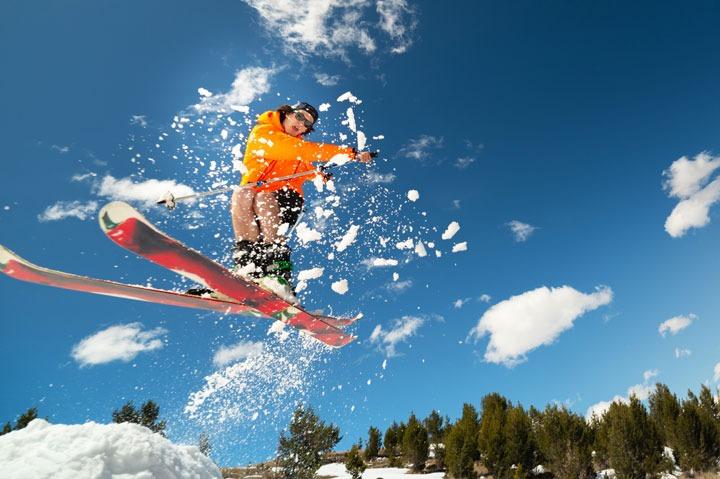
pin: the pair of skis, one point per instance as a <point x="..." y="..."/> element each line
<point x="129" y="229"/>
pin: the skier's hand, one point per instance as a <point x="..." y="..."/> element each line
<point x="364" y="156"/>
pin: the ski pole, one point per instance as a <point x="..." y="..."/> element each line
<point x="170" y="200"/>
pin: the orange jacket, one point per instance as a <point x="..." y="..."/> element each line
<point x="272" y="153"/>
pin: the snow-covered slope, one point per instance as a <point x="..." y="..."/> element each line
<point x="91" y="450"/>
<point x="338" y="471"/>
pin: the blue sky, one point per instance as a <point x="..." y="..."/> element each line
<point x="591" y="127"/>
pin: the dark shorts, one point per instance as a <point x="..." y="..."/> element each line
<point x="290" y="203"/>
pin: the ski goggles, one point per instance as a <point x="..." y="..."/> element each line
<point x="301" y="118"/>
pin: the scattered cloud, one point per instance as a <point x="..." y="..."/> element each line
<point x="459" y="303"/>
<point x="83" y="176"/>
<point x="249" y="84"/>
<point x="717" y="372"/>
<point x="682" y="353"/>
<point x="400" y="286"/>
<point x="69" y="209"/>
<point x="485" y="298"/>
<point x="521" y="231"/>
<point x="374" y="177"/>
<point x="139" y="120"/>
<point x="527" y="321"/>
<point x="61" y="149"/>
<point x="641" y="391"/>
<point x="402" y="330"/>
<point x="456" y="204"/>
<point x="146" y="192"/>
<point x="676" y="324"/>
<point x="399" y="21"/>
<point x="687" y="180"/>
<point x="464" y="163"/>
<point x="332" y="28"/>
<point x="420" y="148"/>
<point x="686" y="177"/>
<point x="327" y="80"/>
<point x="121" y="342"/>
<point x="230" y="354"/>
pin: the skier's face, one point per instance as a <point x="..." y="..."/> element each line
<point x="295" y="125"/>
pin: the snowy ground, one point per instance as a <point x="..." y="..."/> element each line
<point x="90" y="451"/>
<point x="338" y="471"/>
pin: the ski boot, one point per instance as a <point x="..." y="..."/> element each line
<point x="277" y="277"/>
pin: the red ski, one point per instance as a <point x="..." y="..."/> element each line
<point x="128" y="228"/>
<point x="16" y="267"/>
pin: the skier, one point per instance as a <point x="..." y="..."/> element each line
<point x="262" y="215"/>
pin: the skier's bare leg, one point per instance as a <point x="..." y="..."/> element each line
<point x="267" y="210"/>
<point x="244" y="220"/>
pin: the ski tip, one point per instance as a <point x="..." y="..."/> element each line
<point x="115" y="213"/>
<point x="6" y="255"/>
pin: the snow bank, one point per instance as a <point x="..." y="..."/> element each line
<point x="338" y="471"/>
<point x="94" y="450"/>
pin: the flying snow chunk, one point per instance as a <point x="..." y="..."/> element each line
<point x="306" y="234"/>
<point x="324" y="107"/>
<point x="348" y="238"/>
<point x="361" y="140"/>
<point x="122" y="450"/>
<point x="205" y="93"/>
<point x="413" y="195"/>
<point x="348" y="96"/>
<point x="452" y="228"/>
<point x="407" y="244"/>
<point x="340" y="287"/>
<point x="350" y="122"/>
<point x="309" y="274"/>
<point x="396" y="276"/>
<point x="420" y="249"/>
<point x="459" y="247"/>
<point x="379" y="262"/>
<point x="339" y="159"/>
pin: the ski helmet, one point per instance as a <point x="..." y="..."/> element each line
<point x="308" y="108"/>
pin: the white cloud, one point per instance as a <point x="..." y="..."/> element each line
<point x="420" y="148"/>
<point x="685" y="177"/>
<point x="308" y="27"/>
<point x="641" y="391"/>
<point x="459" y="303"/>
<point x="717" y="372"/>
<point x="61" y="149"/>
<point x="68" y="209"/>
<point x="121" y="342"/>
<point x="485" y="298"/>
<point x="676" y="324"/>
<point x="521" y="231"/>
<point x="463" y="163"/>
<point x="693" y="212"/>
<point x="400" y="286"/>
<point x="230" y="354"/>
<point x="327" y="80"/>
<point x="140" y="120"/>
<point x="398" y="20"/>
<point x="402" y="330"/>
<point x="522" y="323"/>
<point x="682" y="353"/>
<point x="146" y="192"/>
<point x="374" y="177"/>
<point x="249" y="84"/>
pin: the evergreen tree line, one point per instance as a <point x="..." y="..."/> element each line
<point x="508" y="441"/>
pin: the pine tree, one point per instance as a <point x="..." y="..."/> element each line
<point x="415" y="443"/>
<point x="392" y="440"/>
<point x="26" y="418"/>
<point x="353" y="462"/>
<point x="664" y="412"/>
<point x="6" y="429"/>
<point x="519" y="444"/>
<point x="300" y="452"/>
<point x="633" y="443"/>
<point x="461" y="448"/>
<point x="698" y="433"/>
<point x="147" y="416"/>
<point x="204" y="444"/>
<point x="373" y="444"/>
<point x="564" y="441"/>
<point x="491" y="440"/>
